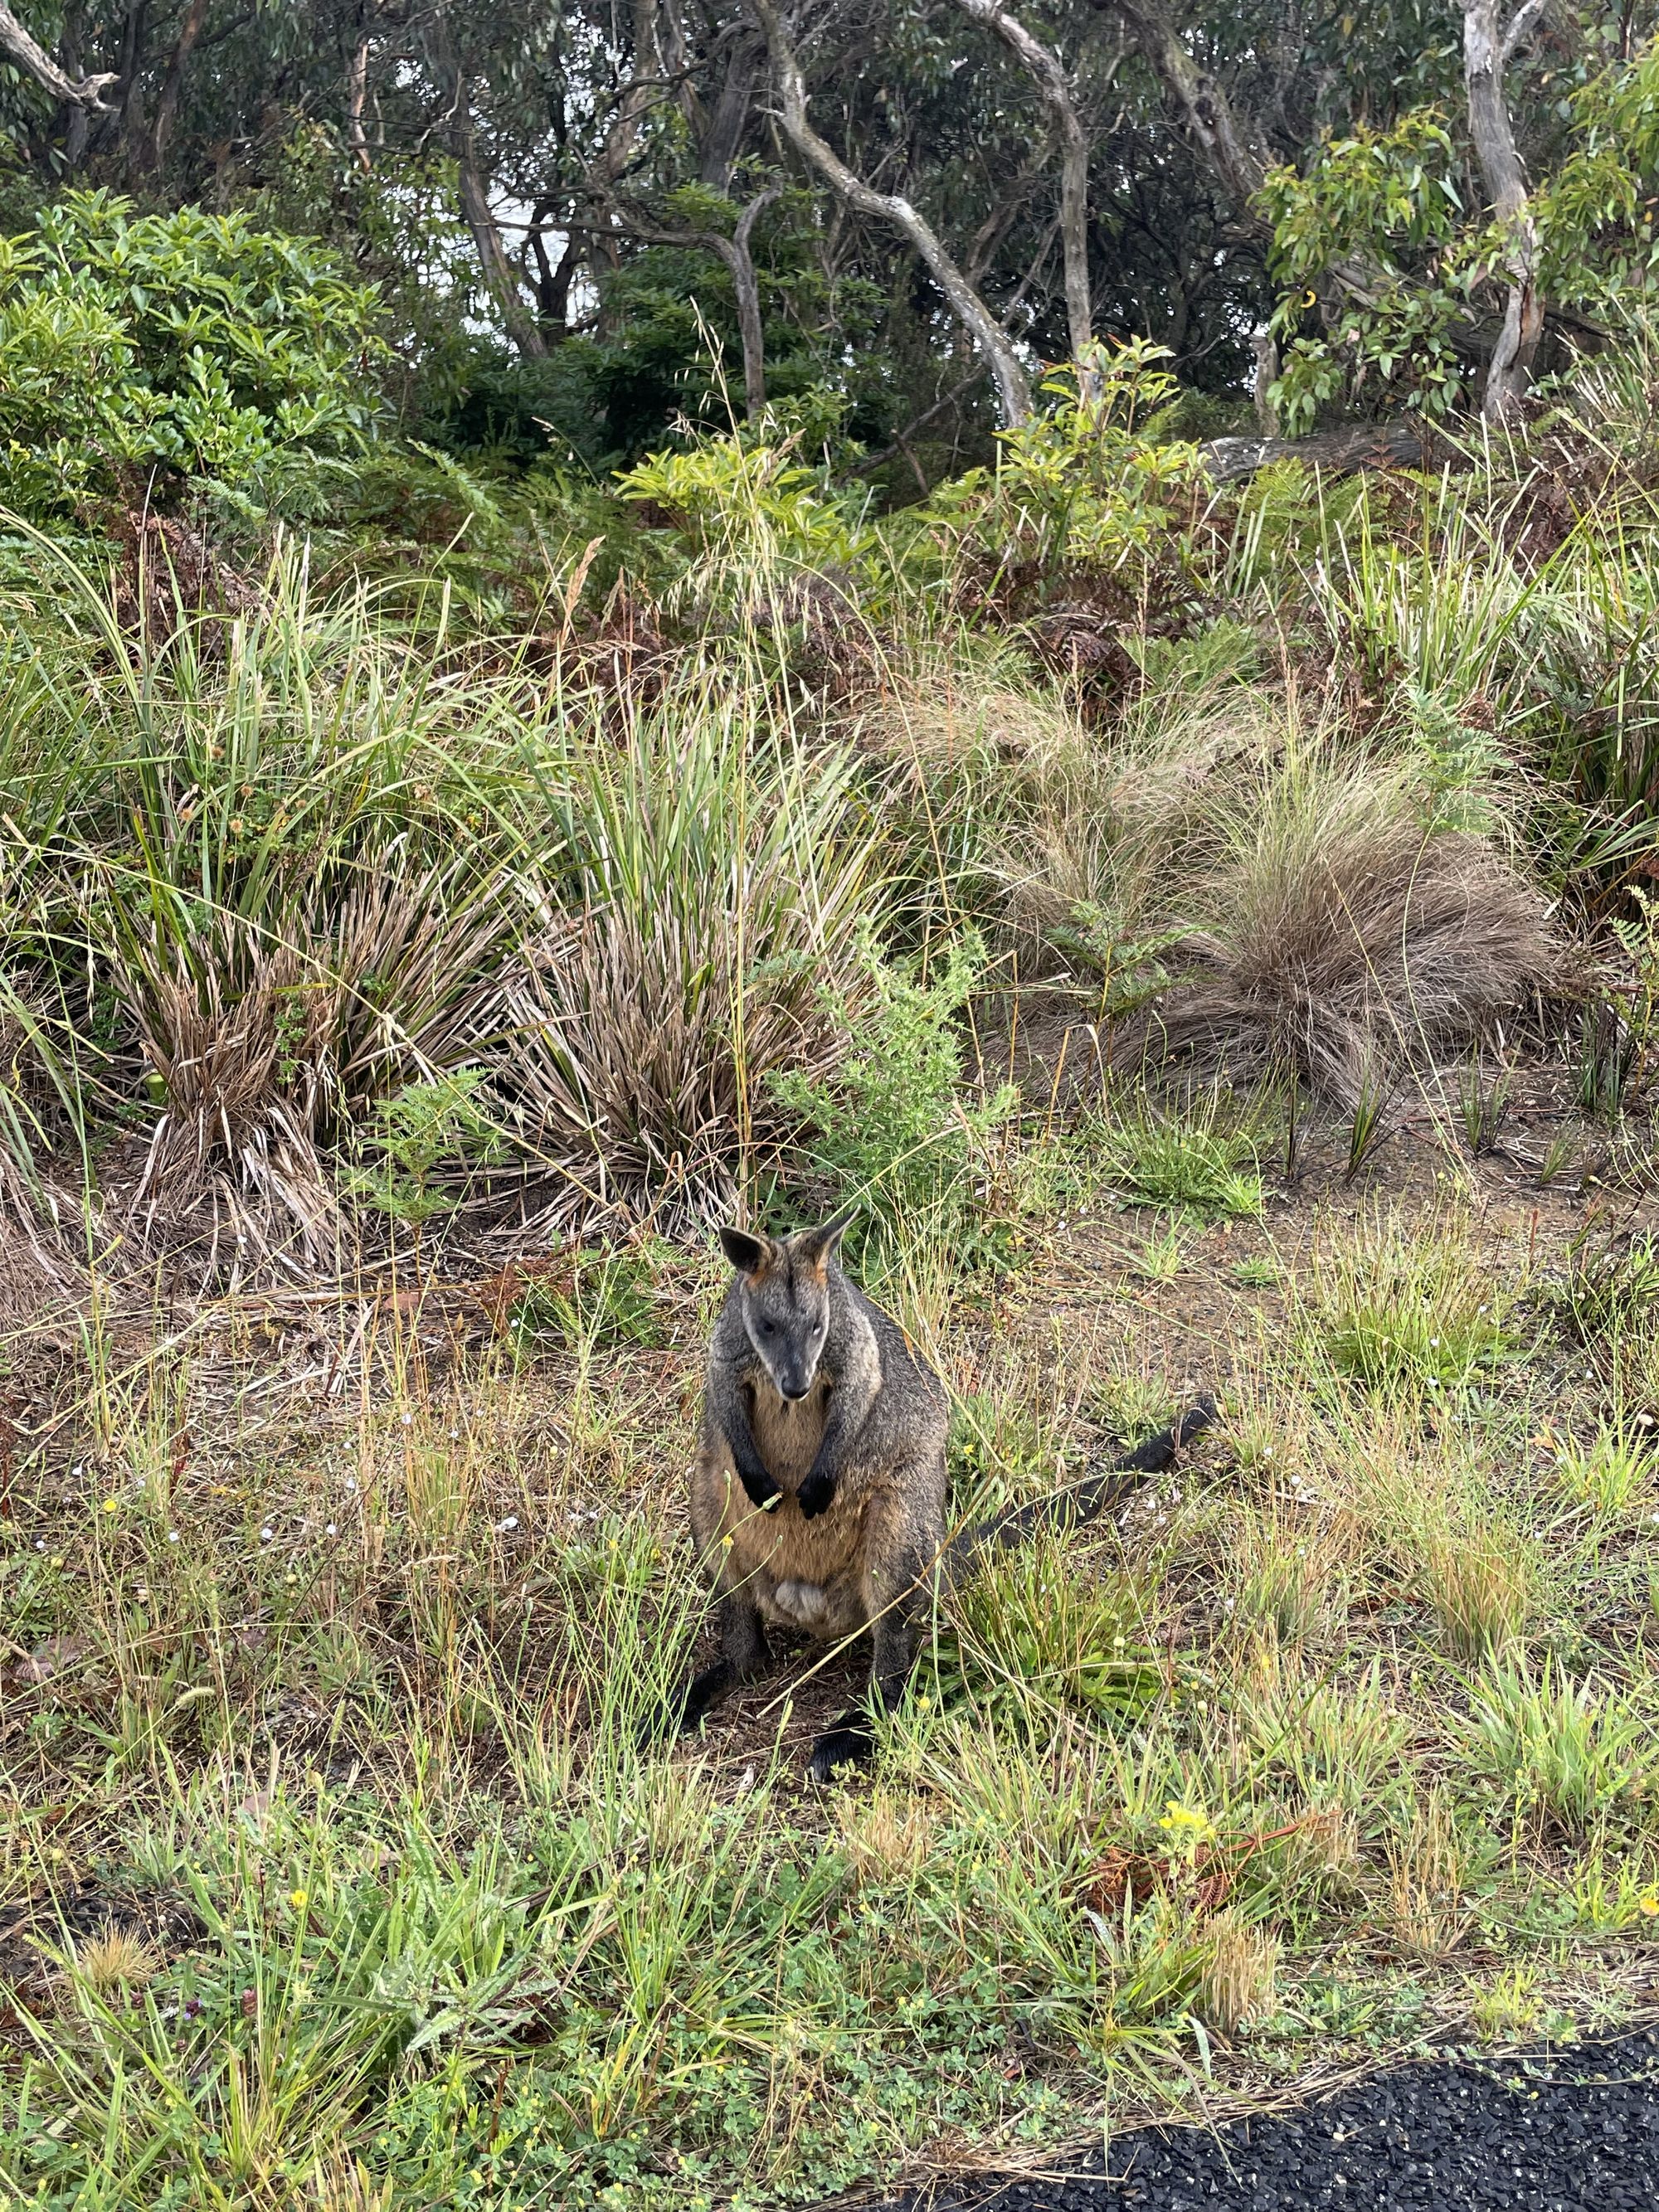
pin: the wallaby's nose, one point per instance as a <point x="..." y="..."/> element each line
<point x="794" y="1389"/>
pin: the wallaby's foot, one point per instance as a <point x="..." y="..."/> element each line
<point x="684" y="1709"/>
<point x="851" y="1742"/>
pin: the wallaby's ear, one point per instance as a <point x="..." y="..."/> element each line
<point x="747" y="1254"/>
<point x="818" y="1245"/>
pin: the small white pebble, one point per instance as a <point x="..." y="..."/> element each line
<point x="505" y="1527"/>
<point x="265" y="1536"/>
<point x="173" y="1535"/>
<point x="331" y="1530"/>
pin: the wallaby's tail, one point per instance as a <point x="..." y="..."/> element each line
<point x="1062" y="1509"/>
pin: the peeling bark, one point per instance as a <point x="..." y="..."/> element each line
<point x="18" y="47"/>
<point x="1488" y="45"/>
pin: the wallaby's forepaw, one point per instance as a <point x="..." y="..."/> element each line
<point x="853" y="1745"/>
<point x="815" y="1495"/>
<point x="684" y="1709"/>
<point x="762" y="1490"/>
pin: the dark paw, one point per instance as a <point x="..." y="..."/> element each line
<point x="815" y="1495"/>
<point x="762" y="1490"/>
<point x="682" y="1709"/>
<point x="842" y="1746"/>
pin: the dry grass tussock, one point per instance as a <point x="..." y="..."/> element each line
<point x="1349" y="940"/>
<point x="1312" y="912"/>
<point x="953" y="713"/>
<point x="268" y="1049"/>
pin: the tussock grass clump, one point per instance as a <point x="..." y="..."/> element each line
<point x="1567" y="1753"/>
<point x="1034" y="1620"/>
<point x="1398" y="1310"/>
<point x="1280" y="900"/>
<point x="1192" y="1162"/>
<point x="1290" y="1566"/>
<point x="1241" y="1974"/>
<point x="1428" y="1872"/>
<point x="1341" y="936"/>
<point x="714" y="939"/>
<point x="114" y="1961"/>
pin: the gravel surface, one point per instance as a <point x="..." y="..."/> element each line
<point x="1545" y="2131"/>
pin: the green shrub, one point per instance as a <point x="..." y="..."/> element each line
<point x="140" y="350"/>
<point x="893" y="1131"/>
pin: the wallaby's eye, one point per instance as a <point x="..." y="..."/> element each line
<point x="766" y="1328"/>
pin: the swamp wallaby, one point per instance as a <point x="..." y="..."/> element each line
<point x="817" y="1490"/>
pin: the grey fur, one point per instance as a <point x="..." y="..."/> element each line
<point x="817" y="1494"/>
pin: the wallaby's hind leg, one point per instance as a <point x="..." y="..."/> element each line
<point x="743" y="1657"/>
<point x="896" y="1570"/>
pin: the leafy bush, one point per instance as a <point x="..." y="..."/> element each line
<point x="140" y="350"/>
<point x="892" y="1132"/>
<point x="1095" y="479"/>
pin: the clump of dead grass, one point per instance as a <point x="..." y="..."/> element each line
<point x="114" y="1960"/>
<point x="1239" y="1978"/>
<point x="1428" y="1868"/>
<point x="1343" y="936"/>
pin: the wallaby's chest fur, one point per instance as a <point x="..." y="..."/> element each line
<point x="787" y="1433"/>
<point x="800" y="1573"/>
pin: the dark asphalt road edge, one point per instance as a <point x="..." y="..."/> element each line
<point x="1212" y="2153"/>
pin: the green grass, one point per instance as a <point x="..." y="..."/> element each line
<point x="449" y="1933"/>
<point x="1189" y="1162"/>
<point x="389" y="1009"/>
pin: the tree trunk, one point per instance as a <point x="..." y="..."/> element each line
<point x="1044" y="67"/>
<point x="20" y="49"/>
<point x="1487" y="47"/>
<point x="722" y="136"/>
<point x="499" y="275"/>
<point x="739" y="261"/>
<point x="357" y="100"/>
<point x="1205" y="109"/>
<point x="173" y="85"/>
<point x="735" y="253"/>
<point x="1013" y="391"/>
<point x="553" y="279"/>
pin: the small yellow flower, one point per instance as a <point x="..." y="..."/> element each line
<point x="1647" y="1902"/>
<point x="298" y="1899"/>
<point x="1190" y="1822"/>
<point x="111" y="1504"/>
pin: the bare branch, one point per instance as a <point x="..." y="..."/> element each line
<point x="18" y="46"/>
<point x="1049" y="77"/>
<point x="1013" y="391"/>
<point x="739" y="261"/>
<point x="1485" y="49"/>
<point x="1525" y="16"/>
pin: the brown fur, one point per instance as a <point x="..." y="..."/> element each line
<point x="840" y="1518"/>
<point x="818" y="1491"/>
